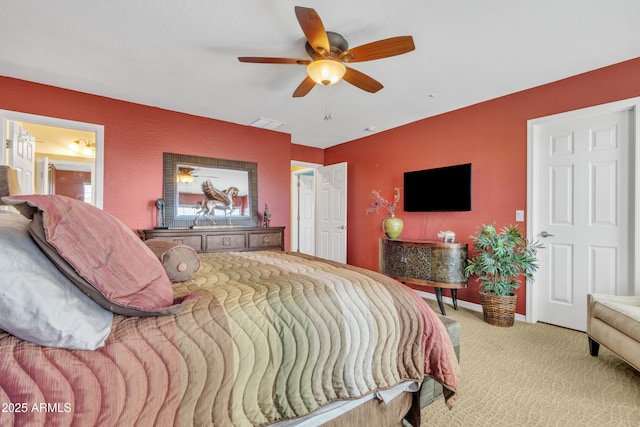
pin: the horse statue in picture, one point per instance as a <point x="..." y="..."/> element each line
<point x="215" y="199"/>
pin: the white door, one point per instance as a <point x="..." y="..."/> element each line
<point x="331" y="219"/>
<point x="583" y="215"/>
<point x="21" y="153"/>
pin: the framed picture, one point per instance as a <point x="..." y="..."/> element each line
<point x="209" y="192"/>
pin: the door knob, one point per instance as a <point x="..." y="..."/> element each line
<point x="341" y="227"/>
<point x="545" y="234"/>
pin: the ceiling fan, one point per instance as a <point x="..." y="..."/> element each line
<point x="329" y="52"/>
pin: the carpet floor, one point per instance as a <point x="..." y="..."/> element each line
<point x="535" y="375"/>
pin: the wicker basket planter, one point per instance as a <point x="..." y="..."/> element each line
<point x="498" y="310"/>
<point x="500" y="260"/>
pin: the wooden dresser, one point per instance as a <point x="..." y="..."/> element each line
<point x="425" y="263"/>
<point x="222" y="239"/>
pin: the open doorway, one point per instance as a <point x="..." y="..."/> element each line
<point x="303" y="206"/>
<point x="319" y="210"/>
<point x="62" y="156"/>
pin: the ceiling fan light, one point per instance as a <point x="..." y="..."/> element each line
<point x="326" y="71"/>
<point x="185" y="175"/>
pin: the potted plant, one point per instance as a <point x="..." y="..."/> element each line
<point x="501" y="259"/>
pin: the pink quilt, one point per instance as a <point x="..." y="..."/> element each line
<point x="274" y="336"/>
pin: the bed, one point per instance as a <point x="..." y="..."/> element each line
<point x="260" y="338"/>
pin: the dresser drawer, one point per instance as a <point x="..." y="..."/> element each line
<point x="212" y="239"/>
<point x="226" y="242"/>
<point x="265" y="240"/>
<point x="194" y="241"/>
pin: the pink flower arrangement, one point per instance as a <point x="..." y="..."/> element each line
<point x="377" y="202"/>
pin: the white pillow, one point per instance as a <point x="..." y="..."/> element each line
<point x="37" y="302"/>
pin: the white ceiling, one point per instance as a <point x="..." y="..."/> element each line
<point x="182" y="55"/>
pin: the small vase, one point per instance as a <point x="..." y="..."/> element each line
<point x="392" y="226"/>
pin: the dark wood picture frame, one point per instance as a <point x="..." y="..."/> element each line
<point x="175" y="219"/>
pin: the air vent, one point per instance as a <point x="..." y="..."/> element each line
<point x="267" y="124"/>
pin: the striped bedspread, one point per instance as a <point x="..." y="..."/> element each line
<point x="273" y="336"/>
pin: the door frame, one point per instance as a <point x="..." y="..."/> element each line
<point x="98" y="184"/>
<point x="305" y="168"/>
<point x="533" y="191"/>
<point x="293" y="235"/>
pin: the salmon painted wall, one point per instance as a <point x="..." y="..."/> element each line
<point x="303" y="153"/>
<point x="137" y="135"/>
<point x="491" y="135"/>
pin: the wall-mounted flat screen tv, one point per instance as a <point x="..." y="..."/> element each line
<point x="446" y="189"/>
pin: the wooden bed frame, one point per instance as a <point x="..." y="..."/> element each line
<point x="389" y="414"/>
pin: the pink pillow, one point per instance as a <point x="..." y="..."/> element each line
<point x="115" y="266"/>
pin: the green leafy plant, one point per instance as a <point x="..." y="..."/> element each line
<point x="501" y="258"/>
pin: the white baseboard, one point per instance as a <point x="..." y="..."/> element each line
<point x="465" y="304"/>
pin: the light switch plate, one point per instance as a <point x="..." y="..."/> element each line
<point x="519" y="216"/>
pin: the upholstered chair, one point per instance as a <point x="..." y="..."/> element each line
<point x="614" y="321"/>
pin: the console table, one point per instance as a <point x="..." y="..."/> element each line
<point x="222" y="239"/>
<point x="425" y="263"/>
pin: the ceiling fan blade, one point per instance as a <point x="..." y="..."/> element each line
<point x="378" y="50"/>
<point x="304" y="88"/>
<point x="362" y="81"/>
<point x="313" y="29"/>
<point x="263" y="60"/>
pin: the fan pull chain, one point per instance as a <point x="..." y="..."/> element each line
<point x="327" y="107"/>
